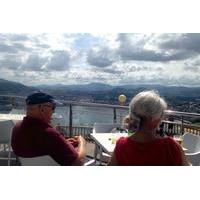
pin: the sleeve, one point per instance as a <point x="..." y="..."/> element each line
<point x="60" y="149"/>
<point x="175" y="154"/>
<point x="118" y="150"/>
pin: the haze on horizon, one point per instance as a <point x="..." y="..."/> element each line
<point x="115" y="59"/>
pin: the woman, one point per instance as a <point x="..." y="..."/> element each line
<point x="145" y="147"/>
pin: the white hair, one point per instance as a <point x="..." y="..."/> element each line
<point x="147" y="104"/>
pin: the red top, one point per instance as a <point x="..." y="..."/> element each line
<point x="33" y="137"/>
<point x="159" y="152"/>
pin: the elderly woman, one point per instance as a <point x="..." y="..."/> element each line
<point x="145" y="147"/>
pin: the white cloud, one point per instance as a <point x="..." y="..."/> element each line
<point x="10" y="62"/>
<point x="34" y="63"/>
<point x="101" y="57"/>
<point x="108" y="58"/>
<point x="59" y="61"/>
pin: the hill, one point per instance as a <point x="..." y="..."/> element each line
<point x="83" y="88"/>
<point x="14" y="88"/>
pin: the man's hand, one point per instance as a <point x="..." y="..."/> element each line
<point x="81" y="140"/>
<point x="81" y="149"/>
<point x="74" y="141"/>
<point x="77" y="141"/>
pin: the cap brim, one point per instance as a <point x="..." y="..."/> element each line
<point x="57" y="103"/>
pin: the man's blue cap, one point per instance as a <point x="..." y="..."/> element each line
<point x="40" y="97"/>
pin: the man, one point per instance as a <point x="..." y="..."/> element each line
<point x="34" y="136"/>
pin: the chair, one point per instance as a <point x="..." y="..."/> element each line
<point x="88" y="161"/>
<point x="193" y="158"/>
<point x="6" y="127"/>
<point x="103" y="128"/>
<point x="191" y="142"/>
<point x="38" y="161"/>
<point x="43" y="161"/>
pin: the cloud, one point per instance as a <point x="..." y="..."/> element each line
<point x="59" y="61"/>
<point x="11" y="62"/>
<point x="144" y="55"/>
<point x="34" y="63"/>
<point x="18" y="37"/>
<point x="14" y="48"/>
<point x="136" y="49"/>
<point x="37" y="77"/>
<point x="13" y="37"/>
<point x="7" y="48"/>
<point x="109" y="58"/>
<point x="137" y="68"/>
<point x="101" y="56"/>
<point x="193" y="65"/>
<point x="109" y="70"/>
<point x="158" y="48"/>
<point x="13" y="43"/>
<point x="188" y="41"/>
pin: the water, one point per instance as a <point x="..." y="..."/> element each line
<point x="82" y="115"/>
<point x="87" y="116"/>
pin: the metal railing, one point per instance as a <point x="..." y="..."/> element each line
<point x="78" y="130"/>
<point x="183" y="125"/>
<point x="17" y="101"/>
<point x="169" y="127"/>
<point x="174" y="128"/>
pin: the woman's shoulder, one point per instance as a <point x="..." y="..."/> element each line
<point x="162" y="140"/>
<point x="170" y="142"/>
<point x="122" y="141"/>
<point x="169" y="139"/>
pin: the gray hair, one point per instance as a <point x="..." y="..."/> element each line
<point x="146" y="104"/>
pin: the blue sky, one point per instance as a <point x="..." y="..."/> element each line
<point x="117" y="59"/>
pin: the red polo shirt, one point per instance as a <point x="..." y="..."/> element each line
<point x="159" y="152"/>
<point x="33" y="137"/>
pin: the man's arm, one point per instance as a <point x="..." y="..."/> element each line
<point x="80" y="151"/>
<point x="61" y="150"/>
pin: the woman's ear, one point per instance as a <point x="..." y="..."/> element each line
<point x="155" y="122"/>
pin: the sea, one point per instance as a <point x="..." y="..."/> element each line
<point x="82" y="115"/>
<point x="87" y="116"/>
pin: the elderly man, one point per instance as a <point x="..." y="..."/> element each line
<point x="34" y="136"/>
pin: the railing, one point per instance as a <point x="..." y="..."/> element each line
<point x="184" y="125"/>
<point x="169" y="127"/>
<point x="71" y="104"/>
<point x="80" y="130"/>
<point x="174" y="128"/>
<point x="20" y="101"/>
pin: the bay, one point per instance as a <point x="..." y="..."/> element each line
<point x="87" y="116"/>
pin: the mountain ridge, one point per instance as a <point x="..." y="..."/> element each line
<point x="14" y="88"/>
<point x="11" y="87"/>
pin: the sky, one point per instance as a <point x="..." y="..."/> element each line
<point x="38" y="58"/>
<point x="116" y="59"/>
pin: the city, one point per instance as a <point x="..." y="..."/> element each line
<point x="184" y="99"/>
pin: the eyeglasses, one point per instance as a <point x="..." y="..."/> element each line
<point x="52" y="106"/>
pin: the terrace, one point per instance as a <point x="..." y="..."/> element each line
<point x="174" y="123"/>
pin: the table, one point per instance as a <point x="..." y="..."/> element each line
<point x="18" y="117"/>
<point x="185" y="149"/>
<point x="107" y="141"/>
<point x="179" y="140"/>
<point x="13" y="117"/>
